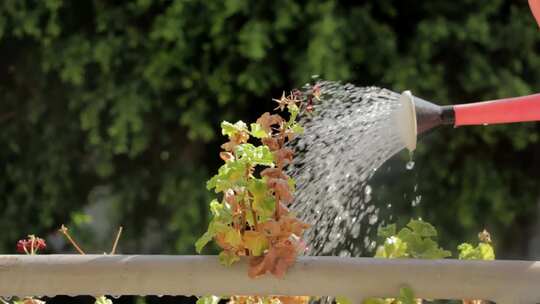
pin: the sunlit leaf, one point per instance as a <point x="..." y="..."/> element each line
<point x="343" y="300"/>
<point x="203" y="240"/>
<point x="103" y="300"/>
<point x="257" y="131"/>
<point x="208" y="300"/>
<point x="256" y="242"/>
<point x="392" y="248"/>
<point x="421" y="228"/>
<point x="233" y="237"/>
<point x="260" y="155"/>
<point x="230" y="129"/>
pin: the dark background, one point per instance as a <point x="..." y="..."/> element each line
<point x="109" y="110"/>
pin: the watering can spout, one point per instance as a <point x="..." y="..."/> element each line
<point x="416" y="116"/>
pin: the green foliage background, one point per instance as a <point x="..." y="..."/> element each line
<point x="119" y="102"/>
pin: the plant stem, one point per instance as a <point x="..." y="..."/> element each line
<point x="254" y="214"/>
<point x="113" y="250"/>
<point x="65" y="232"/>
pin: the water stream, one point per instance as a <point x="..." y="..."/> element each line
<point x="349" y="135"/>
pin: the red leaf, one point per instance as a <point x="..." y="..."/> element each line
<point x="267" y="121"/>
<point x="283" y="157"/>
<point x="277" y="261"/>
<point x="274" y="173"/>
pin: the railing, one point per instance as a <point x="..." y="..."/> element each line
<point x="355" y="278"/>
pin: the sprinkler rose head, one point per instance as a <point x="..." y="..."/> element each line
<point x="406" y="120"/>
<point x="416" y="116"/>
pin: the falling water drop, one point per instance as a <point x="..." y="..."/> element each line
<point x="416" y="201"/>
<point x="368" y="190"/>
<point x="410" y="165"/>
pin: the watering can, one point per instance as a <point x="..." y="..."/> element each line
<point x="416" y="116"/>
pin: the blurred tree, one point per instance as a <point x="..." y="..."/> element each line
<point x="123" y="99"/>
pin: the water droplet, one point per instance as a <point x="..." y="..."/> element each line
<point x="367" y="190"/>
<point x="373" y="219"/>
<point x="389" y="206"/>
<point x="115" y="296"/>
<point x="485" y="124"/>
<point x="410" y="165"/>
<point x="416" y="201"/>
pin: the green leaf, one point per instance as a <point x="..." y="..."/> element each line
<point x="297" y="128"/>
<point x="483" y="251"/>
<point x="208" y="300"/>
<point x="258" y="188"/>
<point x="424" y="248"/>
<point x="293" y="110"/>
<point x="406" y="296"/>
<point x="413" y="241"/>
<point x="230" y="129"/>
<point x="374" y="301"/>
<point x="233" y="237"/>
<point x="386" y="232"/>
<point x="257" y="131"/>
<point x="214" y="228"/>
<point x="230" y="174"/>
<point x="263" y="203"/>
<point x="103" y="300"/>
<point x="228" y="258"/>
<point x="203" y="240"/>
<point x="486" y="251"/>
<point x="256" y="242"/>
<point x="421" y="228"/>
<point x="260" y="155"/>
<point x="343" y="300"/>
<point x="265" y="208"/>
<point x="221" y="212"/>
<point x="392" y="248"/>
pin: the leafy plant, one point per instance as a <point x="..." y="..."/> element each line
<point x="251" y="218"/>
<point x="418" y="240"/>
<point x="482" y="251"/>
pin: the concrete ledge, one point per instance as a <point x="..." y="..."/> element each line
<point x="49" y="275"/>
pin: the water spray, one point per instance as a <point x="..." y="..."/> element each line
<point x="416" y="115"/>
